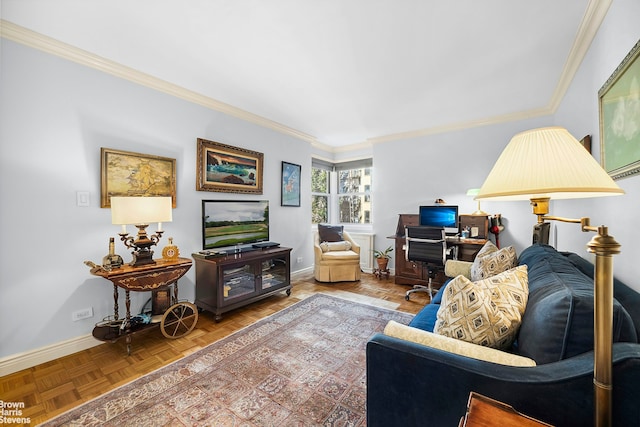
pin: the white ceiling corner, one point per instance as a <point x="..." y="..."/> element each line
<point x="340" y="75"/>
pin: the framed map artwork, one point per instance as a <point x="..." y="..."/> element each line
<point x="128" y="174"/>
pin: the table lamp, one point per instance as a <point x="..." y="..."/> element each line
<point x="140" y="211"/>
<point x="474" y="192"/>
<point x="546" y="163"/>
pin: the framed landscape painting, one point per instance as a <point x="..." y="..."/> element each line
<point x="228" y="169"/>
<point x="128" y="174"/>
<point x="619" y="100"/>
<point x="290" y="191"/>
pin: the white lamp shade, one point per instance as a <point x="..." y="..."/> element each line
<point x="140" y="210"/>
<point x="546" y="163"/>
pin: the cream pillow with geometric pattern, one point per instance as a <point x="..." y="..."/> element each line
<point x="487" y="312"/>
<point x="492" y="263"/>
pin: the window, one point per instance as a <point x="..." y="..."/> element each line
<point x="350" y="201"/>
<point x="320" y="182"/>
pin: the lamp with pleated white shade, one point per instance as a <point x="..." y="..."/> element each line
<point x="549" y="163"/>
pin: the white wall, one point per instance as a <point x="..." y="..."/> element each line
<point x="55" y="117"/>
<point x="579" y="114"/>
<point x="417" y="171"/>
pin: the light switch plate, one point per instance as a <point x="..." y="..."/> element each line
<point x="83" y="198"/>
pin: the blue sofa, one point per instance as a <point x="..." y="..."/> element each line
<point x="410" y="384"/>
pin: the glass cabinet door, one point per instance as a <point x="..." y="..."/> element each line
<point x="237" y="281"/>
<point x="274" y="272"/>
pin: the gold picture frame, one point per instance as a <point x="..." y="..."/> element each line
<point x="619" y="105"/>
<point x="124" y="173"/>
<point x="228" y="169"/>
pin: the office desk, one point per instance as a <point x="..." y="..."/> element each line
<point x="465" y="249"/>
<point x="412" y="273"/>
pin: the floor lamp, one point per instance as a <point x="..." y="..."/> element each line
<point x="549" y="163"/>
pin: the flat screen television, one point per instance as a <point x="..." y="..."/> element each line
<point x="234" y="222"/>
<point x="440" y="216"/>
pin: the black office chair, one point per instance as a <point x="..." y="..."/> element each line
<point x="426" y="245"/>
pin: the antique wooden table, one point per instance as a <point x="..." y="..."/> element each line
<point x="178" y="319"/>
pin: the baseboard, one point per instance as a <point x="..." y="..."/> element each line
<point x="303" y="271"/>
<point x="20" y="361"/>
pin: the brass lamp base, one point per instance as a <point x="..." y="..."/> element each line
<point x="142" y="254"/>
<point x="604" y="247"/>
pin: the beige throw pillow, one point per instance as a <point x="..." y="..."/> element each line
<point x="440" y="342"/>
<point x="490" y="263"/>
<point x="487" y="312"/>
<point x="345" y="245"/>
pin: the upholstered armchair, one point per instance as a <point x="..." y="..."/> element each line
<point x="337" y="255"/>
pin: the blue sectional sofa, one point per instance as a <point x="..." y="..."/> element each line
<point x="410" y="384"/>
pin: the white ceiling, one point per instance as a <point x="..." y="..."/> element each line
<point x="340" y="72"/>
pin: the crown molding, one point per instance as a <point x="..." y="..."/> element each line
<point x="506" y="118"/>
<point x="18" y="34"/>
<point x="593" y="17"/>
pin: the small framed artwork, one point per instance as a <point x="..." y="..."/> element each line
<point x="228" y="169"/>
<point x="619" y="102"/>
<point x="290" y="191"/>
<point x="128" y="174"/>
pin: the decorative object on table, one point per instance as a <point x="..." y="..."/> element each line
<point x="170" y="251"/>
<point x="619" y="101"/>
<point x="496" y="227"/>
<point x="127" y="174"/>
<point x="290" y="186"/>
<point x="95" y="268"/>
<point x="549" y="162"/>
<point x="474" y="192"/>
<point x="382" y="259"/>
<point x="140" y="211"/>
<point x="112" y="260"/>
<point x="228" y="169"/>
<point x="440" y="202"/>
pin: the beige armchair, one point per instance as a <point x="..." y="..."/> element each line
<point x="334" y="262"/>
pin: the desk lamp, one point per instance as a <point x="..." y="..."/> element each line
<point x="474" y="192"/>
<point x="546" y="163"/>
<point x="140" y="211"/>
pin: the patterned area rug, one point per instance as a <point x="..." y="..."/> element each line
<point x="303" y="366"/>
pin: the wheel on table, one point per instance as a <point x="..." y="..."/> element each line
<point x="179" y="320"/>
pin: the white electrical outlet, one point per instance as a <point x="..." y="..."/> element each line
<point x="299" y="260"/>
<point x="85" y="313"/>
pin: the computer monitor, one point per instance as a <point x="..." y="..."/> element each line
<point x="440" y="216"/>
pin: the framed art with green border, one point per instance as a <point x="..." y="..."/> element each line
<point x="619" y="102"/>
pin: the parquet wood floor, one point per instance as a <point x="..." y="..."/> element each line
<point x="59" y="385"/>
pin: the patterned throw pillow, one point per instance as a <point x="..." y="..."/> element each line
<point x="488" y="248"/>
<point x="492" y="263"/>
<point x="487" y="312"/>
